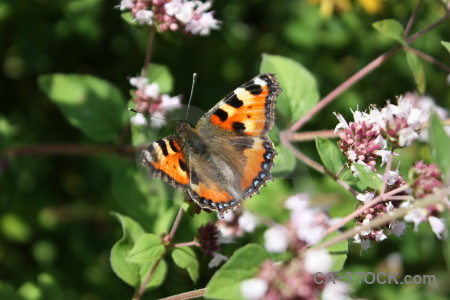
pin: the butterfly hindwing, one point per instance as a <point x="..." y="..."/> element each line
<point x="249" y="109"/>
<point x="166" y="159"/>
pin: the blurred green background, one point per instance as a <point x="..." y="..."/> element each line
<point x="56" y="231"/>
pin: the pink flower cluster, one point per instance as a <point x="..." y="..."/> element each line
<point x="190" y="17"/>
<point x="209" y="239"/>
<point x="294" y="279"/>
<point x="149" y="100"/>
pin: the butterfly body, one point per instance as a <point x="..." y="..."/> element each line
<point x="227" y="156"/>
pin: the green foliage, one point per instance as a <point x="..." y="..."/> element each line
<point x="390" y="28"/>
<point x="330" y="154"/>
<point x="368" y="177"/>
<point x="446" y="45"/>
<point x="185" y="258"/>
<point x="148" y="247"/>
<point x="417" y="70"/>
<point x="439" y="145"/>
<point x="299" y="85"/>
<point x="244" y="264"/>
<point x="93" y="105"/>
<point x="134" y="273"/>
<point x="338" y="252"/>
<point x="162" y="76"/>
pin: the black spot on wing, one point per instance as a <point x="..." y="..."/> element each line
<point x="254" y="89"/>
<point x="234" y="101"/>
<point x="162" y="145"/>
<point x="194" y="177"/>
<point x="172" y="146"/>
<point x="182" y="165"/>
<point x="239" y="127"/>
<point x="223" y="115"/>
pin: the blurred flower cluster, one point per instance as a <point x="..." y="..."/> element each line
<point x="189" y="17"/>
<point x="148" y="99"/>
<point x="373" y="137"/>
<point x="295" y="278"/>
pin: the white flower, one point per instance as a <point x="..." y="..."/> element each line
<point x="144" y="17"/>
<point x="336" y="291"/>
<point x="297" y="202"/>
<point x="217" y="259"/>
<point x="139" y="120"/>
<point x="254" y="288"/>
<point x="276" y="239"/>
<point x="397" y="228"/>
<point x="437" y="225"/>
<point x="152" y="90"/>
<point x="248" y="221"/>
<point x="407" y="136"/>
<point x="417" y="216"/>
<point x="365" y="244"/>
<point x="203" y="25"/>
<point x="157" y="120"/>
<point x="318" y="261"/>
<point x="170" y="103"/>
<point x="365" y="223"/>
<point x="393" y="177"/>
<point x="126" y="4"/>
<point x="380" y="236"/>
<point x="384" y="154"/>
<point x="342" y="123"/>
<point x="173" y="7"/>
<point x="139" y="82"/>
<point x="366" y="198"/>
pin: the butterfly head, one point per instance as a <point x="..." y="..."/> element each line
<point x="183" y="127"/>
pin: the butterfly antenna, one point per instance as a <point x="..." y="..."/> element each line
<point x="194" y="77"/>
<point x="145" y="114"/>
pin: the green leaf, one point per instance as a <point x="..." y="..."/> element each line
<point x="446" y="45"/>
<point x="7" y="292"/>
<point x="128" y="272"/>
<point x="390" y="28"/>
<point x="91" y="104"/>
<point x="284" y="162"/>
<point x="368" y="177"/>
<point x="185" y="258"/>
<point x="439" y="144"/>
<point x="162" y="76"/>
<point x="244" y="264"/>
<point x="416" y="67"/>
<point x="50" y="287"/>
<point x="331" y="155"/>
<point x="446" y="242"/>
<point x="132" y="273"/>
<point x="151" y="202"/>
<point x="337" y="251"/>
<point x="299" y="86"/>
<point x="147" y="248"/>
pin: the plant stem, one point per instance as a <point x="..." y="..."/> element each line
<point x="187" y="244"/>
<point x="313" y="164"/>
<point x="412" y="18"/>
<point x="430" y="59"/>
<point x="148" y="54"/>
<point x="360" y="210"/>
<point x="379" y="221"/>
<point x="188" y="295"/>
<point x="311" y="135"/>
<point x="361" y="74"/>
<point x="175" y="225"/>
<point x="141" y="290"/>
<point x="69" y="149"/>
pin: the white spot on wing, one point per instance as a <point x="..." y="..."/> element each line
<point x="148" y="156"/>
<point x="260" y="82"/>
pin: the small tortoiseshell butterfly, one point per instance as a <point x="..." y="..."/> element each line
<point x="227" y="156"/>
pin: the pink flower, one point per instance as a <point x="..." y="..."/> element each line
<point x="148" y="100"/>
<point x="276" y="239"/>
<point x="190" y="17"/>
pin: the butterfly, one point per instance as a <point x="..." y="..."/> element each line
<point x="227" y="156"/>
